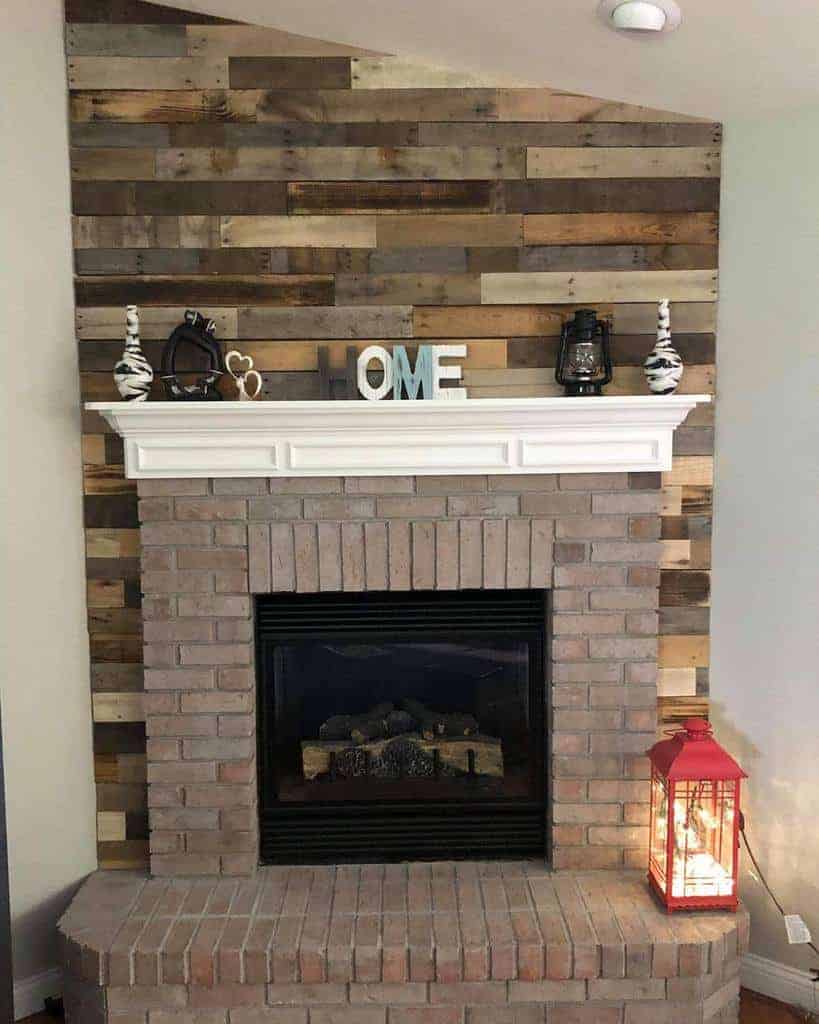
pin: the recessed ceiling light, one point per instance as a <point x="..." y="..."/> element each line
<point x="640" y="15"/>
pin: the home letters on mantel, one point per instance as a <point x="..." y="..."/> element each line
<point x="398" y="376"/>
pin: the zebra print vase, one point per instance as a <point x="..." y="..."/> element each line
<point x="133" y="374"/>
<point x="663" y="366"/>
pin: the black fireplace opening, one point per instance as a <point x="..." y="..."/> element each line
<point x="404" y="725"/>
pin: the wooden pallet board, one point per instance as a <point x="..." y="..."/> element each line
<point x="313" y="198"/>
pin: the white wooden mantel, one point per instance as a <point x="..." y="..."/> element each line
<point x="607" y="434"/>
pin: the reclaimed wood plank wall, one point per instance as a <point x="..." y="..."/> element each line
<point x="306" y="194"/>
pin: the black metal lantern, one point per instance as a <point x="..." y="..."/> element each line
<point x="584" y="357"/>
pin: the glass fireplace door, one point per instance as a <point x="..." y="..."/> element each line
<point x="415" y="715"/>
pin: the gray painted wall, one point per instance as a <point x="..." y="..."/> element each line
<point x="50" y="801"/>
<point x="765" y="627"/>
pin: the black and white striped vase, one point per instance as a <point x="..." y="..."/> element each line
<point x="663" y="366"/>
<point x="133" y="375"/>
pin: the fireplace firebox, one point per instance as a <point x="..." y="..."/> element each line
<point x="402" y="725"/>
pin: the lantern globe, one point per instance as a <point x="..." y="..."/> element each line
<point x="694" y="821"/>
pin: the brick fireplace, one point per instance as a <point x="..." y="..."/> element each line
<point x="214" y="938"/>
<point x="210" y="545"/>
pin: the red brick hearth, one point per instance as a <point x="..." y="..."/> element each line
<point x="462" y="943"/>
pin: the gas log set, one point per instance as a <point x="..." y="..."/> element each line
<point x="408" y="741"/>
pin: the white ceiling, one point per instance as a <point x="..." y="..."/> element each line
<point x="729" y="58"/>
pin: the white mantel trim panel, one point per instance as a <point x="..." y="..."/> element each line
<point x="607" y="434"/>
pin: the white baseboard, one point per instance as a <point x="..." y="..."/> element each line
<point x="30" y="993"/>
<point x="779" y="981"/>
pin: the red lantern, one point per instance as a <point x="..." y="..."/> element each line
<point x="694" y="824"/>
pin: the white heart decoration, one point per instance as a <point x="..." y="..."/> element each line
<point x="247" y="360"/>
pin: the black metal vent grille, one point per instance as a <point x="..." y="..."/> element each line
<point x="315" y="832"/>
<point x="289" y="616"/>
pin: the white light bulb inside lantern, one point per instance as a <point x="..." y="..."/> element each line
<point x="640" y="16"/>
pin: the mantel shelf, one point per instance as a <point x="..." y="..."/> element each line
<point x="609" y="434"/>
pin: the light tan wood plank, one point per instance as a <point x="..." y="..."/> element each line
<point x="461" y="229"/>
<point x="339" y="163"/>
<point x="148" y="73"/>
<point x="112" y="164"/>
<point x="101" y="543"/>
<point x="155" y="322"/>
<point x="117" y="707"/>
<point x="690" y="470"/>
<point x="553" y="105"/>
<point x="686" y="318"/>
<point x="110" y="826"/>
<point x="332" y="322"/>
<point x="675" y="554"/>
<point x="619" y="228"/>
<point x="323" y="232"/>
<point x="127" y="232"/>
<point x="396" y="73"/>
<point x="677" y="682"/>
<point x="599" y="286"/>
<point x="105" y="593"/>
<point x="93" y="450"/>
<point x="254" y="41"/>
<point x="625" y="162"/>
<point x="683" y="652"/>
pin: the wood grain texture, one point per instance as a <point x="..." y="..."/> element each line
<point x="391" y="197"/>
<point x="314" y="198"/>
<point x="599" y="286"/>
<point x="568" y="134"/>
<point x="622" y="162"/>
<point x="107" y="40"/>
<point x="351" y="163"/>
<point x="619" y="228"/>
<point x="147" y="73"/>
<point x="272" y="290"/>
<point x="289" y="73"/>
<point x="395" y="73"/>
<point x="350" y="232"/>
<point x="255" y="41"/>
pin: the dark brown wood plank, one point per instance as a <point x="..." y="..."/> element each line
<point x="272" y="290"/>
<point x="686" y="527"/>
<point x="612" y="195"/>
<point x="326" y="261"/>
<point x="103" y="198"/>
<point x="391" y="196"/>
<point x="289" y="72"/>
<point x="89" y="134"/>
<point x="117" y="510"/>
<point x="277" y="387"/>
<point x="684" y="588"/>
<point x="119" y="737"/>
<point x="180" y="261"/>
<point x="135" y="12"/>
<point x="448" y="133"/>
<point x="210" y="197"/>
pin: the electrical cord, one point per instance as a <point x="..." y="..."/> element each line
<point x="811" y="945"/>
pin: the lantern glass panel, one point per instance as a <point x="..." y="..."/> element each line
<point x="703" y="846"/>
<point x="659" y="829"/>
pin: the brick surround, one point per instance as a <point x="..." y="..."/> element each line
<point x="209" y="545"/>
